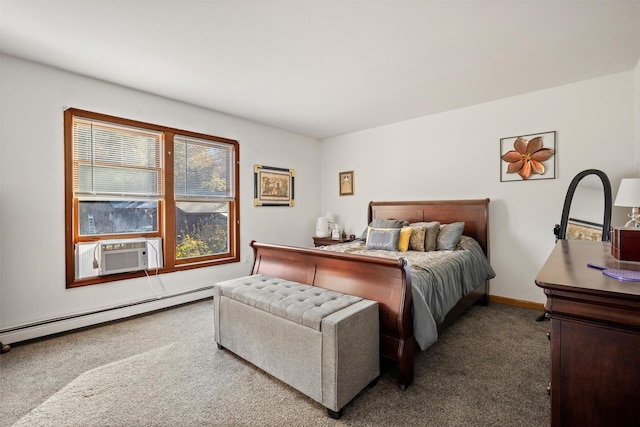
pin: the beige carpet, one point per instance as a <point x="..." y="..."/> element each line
<point x="158" y="388"/>
<point x="490" y="368"/>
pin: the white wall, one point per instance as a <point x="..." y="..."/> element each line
<point x="32" y="267"/>
<point x="637" y="114"/>
<point x="456" y="155"/>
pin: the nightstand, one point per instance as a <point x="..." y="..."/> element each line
<point x="324" y="241"/>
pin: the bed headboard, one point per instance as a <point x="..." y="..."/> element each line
<point x="474" y="213"/>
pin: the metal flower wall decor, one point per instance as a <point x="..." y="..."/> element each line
<point x="527" y="158"/>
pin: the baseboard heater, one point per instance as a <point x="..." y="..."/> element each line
<point x="90" y="318"/>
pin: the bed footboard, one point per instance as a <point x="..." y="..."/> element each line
<point x="383" y="280"/>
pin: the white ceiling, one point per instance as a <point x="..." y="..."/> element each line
<point x="325" y="68"/>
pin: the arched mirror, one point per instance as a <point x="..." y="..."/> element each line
<point x="586" y="214"/>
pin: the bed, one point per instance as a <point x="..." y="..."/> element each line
<point x="391" y="279"/>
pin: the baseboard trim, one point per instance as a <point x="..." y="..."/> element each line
<point x="78" y="321"/>
<point x="69" y="323"/>
<point x="516" y="302"/>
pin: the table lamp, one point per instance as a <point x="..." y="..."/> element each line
<point x="629" y="196"/>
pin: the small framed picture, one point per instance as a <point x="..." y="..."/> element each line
<point x="273" y="186"/>
<point x="346" y="183"/>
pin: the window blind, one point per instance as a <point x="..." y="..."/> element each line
<point x="111" y="160"/>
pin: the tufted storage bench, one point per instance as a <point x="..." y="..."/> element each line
<point x="323" y="343"/>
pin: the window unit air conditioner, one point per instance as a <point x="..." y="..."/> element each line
<point x="121" y="256"/>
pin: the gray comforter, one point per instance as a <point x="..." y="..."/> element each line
<point x="439" y="279"/>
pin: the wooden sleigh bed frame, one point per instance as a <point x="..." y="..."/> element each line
<point x="383" y="280"/>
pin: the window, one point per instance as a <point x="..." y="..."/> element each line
<point x="128" y="179"/>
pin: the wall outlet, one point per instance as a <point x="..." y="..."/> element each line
<point x="247" y="258"/>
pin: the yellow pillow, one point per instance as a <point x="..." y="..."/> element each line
<point x="403" y="241"/>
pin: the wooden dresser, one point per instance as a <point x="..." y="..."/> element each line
<point x="595" y="337"/>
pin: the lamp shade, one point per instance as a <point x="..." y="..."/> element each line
<point x="330" y="217"/>
<point x="628" y="193"/>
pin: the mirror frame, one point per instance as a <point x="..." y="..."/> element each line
<point x="561" y="230"/>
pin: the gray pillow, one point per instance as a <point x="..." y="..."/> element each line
<point x="431" y="234"/>
<point x="416" y="241"/>
<point x="449" y="236"/>
<point x="383" y="238"/>
<point x="384" y="223"/>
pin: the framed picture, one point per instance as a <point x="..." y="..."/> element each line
<point x="346" y="183"/>
<point x="273" y="186"/>
<point x="578" y="229"/>
<point x="528" y="157"/>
